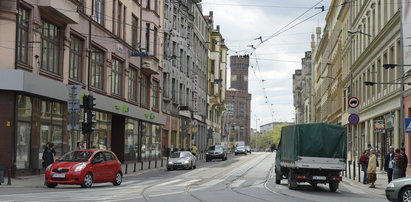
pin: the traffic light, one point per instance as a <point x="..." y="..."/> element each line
<point x="89" y="121"/>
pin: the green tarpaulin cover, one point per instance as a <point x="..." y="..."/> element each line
<point x="312" y="140"/>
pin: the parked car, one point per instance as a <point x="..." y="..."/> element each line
<point x="85" y="167"/>
<point x="399" y="190"/>
<point x="240" y="150"/>
<point x="181" y="159"/>
<point x="248" y="149"/>
<point x="216" y="152"/>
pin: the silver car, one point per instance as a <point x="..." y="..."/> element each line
<point x="399" y="190"/>
<point x="181" y="159"/>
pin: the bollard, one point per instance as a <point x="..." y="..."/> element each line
<point x="162" y="163"/>
<point x="9" y="177"/>
<point x="353" y="174"/>
<point x="359" y="173"/>
<point x="126" y="169"/>
<point x="141" y="165"/>
<point x="135" y="165"/>
<point x="349" y="169"/>
<point x="156" y="164"/>
<point x="149" y="164"/>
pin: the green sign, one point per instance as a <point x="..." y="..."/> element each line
<point x="150" y="116"/>
<point x="123" y="108"/>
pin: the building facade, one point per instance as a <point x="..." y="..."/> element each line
<point x="115" y="55"/>
<point x="302" y="90"/>
<point x="358" y="39"/>
<point x="185" y="75"/>
<point x="217" y="71"/>
<point x="239" y="100"/>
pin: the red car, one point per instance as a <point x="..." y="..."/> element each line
<point x="84" y="167"/>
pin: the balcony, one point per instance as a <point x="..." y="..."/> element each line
<point x="63" y="10"/>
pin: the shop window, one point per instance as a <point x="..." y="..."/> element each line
<point x="24" y="113"/>
<point x="131" y="144"/>
<point x="51" y="126"/>
<point x="100" y="138"/>
<point x="150" y="141"/>
<point x="50" y="49"/>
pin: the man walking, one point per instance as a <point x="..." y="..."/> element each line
<point x="388" y="163"/>
<point x="404" y="163"/>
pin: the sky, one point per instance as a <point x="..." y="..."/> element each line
<point x="273" y="62"/>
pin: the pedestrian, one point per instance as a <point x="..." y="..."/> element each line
<point x="372" y="168"/>
<point x="397" y="165"/>
<point x="48" y="155"/>
<point x="364" y="165"/>
<point x="404" y="162"/>
<point x="388" y="163"/>
<point x="194" y="149"/>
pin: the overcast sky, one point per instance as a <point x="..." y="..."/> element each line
<point x="276" y="59"/>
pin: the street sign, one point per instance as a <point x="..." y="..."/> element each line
<point x="194" y="122"/>
<point x="73" y="90"/>
<point x="73" y="105"/>
<point x="353" y="102"/>
<point x="73" y="119"/>
<point x="353" y="110"/>
<point x="408" y="125"/>
<point x="354" y="119"/>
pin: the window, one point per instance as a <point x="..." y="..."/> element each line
<point x="134" y="34"/>
<point x="144" y="90"/>
<point x="212" y="70"/>
<point x="173" y="89"/>
<point x="97" y="68"/>
<point x="181" y="96"/>
<point x="155" y="41"/>
<point x="116" y="76"/>
<point x="81" y="7"/>
<point x="242" y="109"/>
<point x="147" y="37"/>
<point x="24" y="119"/>
<point x="76" y="58"/>
<point x="131" y="144"/>
<point x="99" y="11"/>
<point x="148" y="4"/>
<point x="23" y="29"/>
<point x="155" y="95"/>
<point x="166" y="85"/>
<point x="132" y="84"/>
<point x="50" y="47"/>
<point x="119" y="21"/>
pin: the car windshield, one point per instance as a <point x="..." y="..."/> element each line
<point x="240" y="147"/>
<point x="180" y="155"/>
<point x="216" y="148"/>
<point x="76" y="156"/>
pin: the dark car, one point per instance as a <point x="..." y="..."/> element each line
<point x="240" y="150"/>
<point x="216" y="152"/>
<point x="84" y="167"/>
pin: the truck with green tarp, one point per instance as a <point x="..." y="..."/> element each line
<point x="313" y="153"/>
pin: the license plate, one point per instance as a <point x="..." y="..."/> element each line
<point x="59" y="175"/>
<point x="319" y="178"/>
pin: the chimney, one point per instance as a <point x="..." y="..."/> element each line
<point x="218" y="28"/>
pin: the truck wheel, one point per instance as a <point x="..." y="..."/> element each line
<point x="333" y="186"/>
<point x="278" y="179"/>
<point x="292" y="182"/>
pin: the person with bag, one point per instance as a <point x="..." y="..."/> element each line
<point x="372" y="168"/>
<point x="364" y="165"/>
<point x="48" y="155"/>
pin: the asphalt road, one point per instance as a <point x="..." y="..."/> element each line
<point x="240" y="178"/>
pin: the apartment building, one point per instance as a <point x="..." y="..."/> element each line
<point x="302" y="90"/>
<point x="185" y="75"/>
<point x="109" y="48"/>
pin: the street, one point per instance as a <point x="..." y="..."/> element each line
<point x="240" y="178"/>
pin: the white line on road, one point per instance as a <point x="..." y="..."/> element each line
<point x="237" y="183"/>
<point x="211" y="183"/>
<point x="169" y="182"/>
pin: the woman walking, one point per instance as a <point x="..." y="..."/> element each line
<point x="48" y="155"/>
<point x="372" y="168"/>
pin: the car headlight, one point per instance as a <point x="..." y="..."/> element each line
<point x="80" y="167"/>
<point x="206" y="153"/>
<point x="49" y="167"/>
<point x="170" y="162"/>
<point x="390" y="185"/>
<point x="186" y="161"/>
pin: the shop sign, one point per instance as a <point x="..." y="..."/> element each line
<point x="123" y="108"/>
<point x="150" y="116"/>
<point x="389" y="121"/>
<point x="379" y="125"/>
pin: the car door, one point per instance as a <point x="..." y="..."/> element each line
<point x="98" y="162"/>
<point x="111" y="167"/>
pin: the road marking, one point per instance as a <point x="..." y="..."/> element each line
<point x="169" y="182"/>
<point x="211" y="183"/>
<point x="188" y="182"/>
<point x="237" y="183"/>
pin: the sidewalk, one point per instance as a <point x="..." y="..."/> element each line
<point x="129" y="169"/>
<point x="380" y="184"/>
